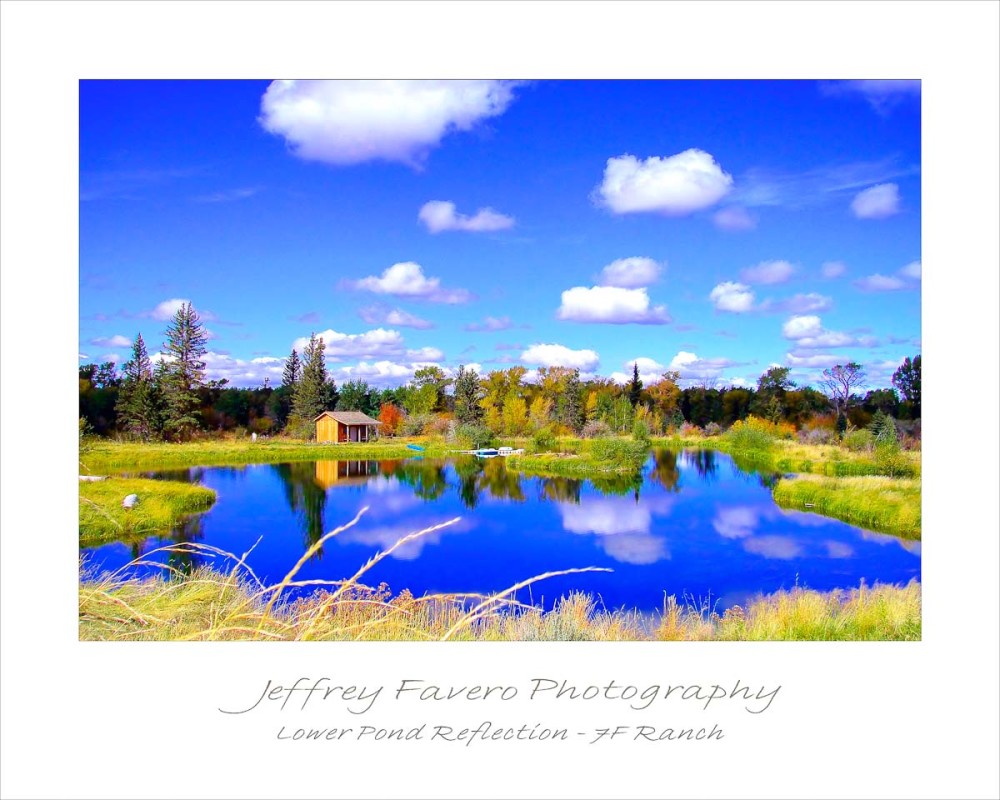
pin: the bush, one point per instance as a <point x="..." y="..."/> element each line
<point x="858" y="441"/>
<point x="817" y="436"/>
<point x="544" y="440"/>
<point x="472" y="436"/>
<point x="713" y="429"/>
<point x="640" y="431"/>
<point x="619" y="453"/>
<point x="595" y="428"/>
<point x="892" y="462"/>
<point x="754" y="433"/>
<point x="687" y="429"/>
<point x="414" y="424"/>
<point x="300" y="428"/>
<point x="883" y="429"/>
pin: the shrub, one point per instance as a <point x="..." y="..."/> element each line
<point x="713" y="429"/>
<point x="883" y="429"/>
<point x="892" y="462"/>
<point x="640" y="431"/>
<point x="595" y="428"/>
<point x="754" y="433"/>
<point x="300" y="428"/>
<point x="687" y="429"/>
<point x="858" y="441"/>
<point x="619" y="453"/>
<point x="414" y="424"/>
<point x="472" y="436"/>
<point x="544" y="440"/>
<point x="817" y="435"/>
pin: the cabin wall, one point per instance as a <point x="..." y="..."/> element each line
<point x="326" y="430"/>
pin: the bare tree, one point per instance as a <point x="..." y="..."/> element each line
<point x="839" y="381"/>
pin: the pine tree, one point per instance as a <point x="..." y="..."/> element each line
<point x="315" y="392"/>
<point x="635" y="386"/>
<point x="293" y="370"/>
<point x="138" y="401"/>
<point x="467" y="396"/>
<point x="572" y="403"/>
<point x="182" y="372"/>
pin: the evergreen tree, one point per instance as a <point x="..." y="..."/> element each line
<point x="635" y="386"/>
<point x="293" y="370"/>
<point x="467" y="396"/>
<point x="182" y="372"/>
<point x="315" y="392"/>
<point x="572" y="403"/>
<point x="138" y="402"/>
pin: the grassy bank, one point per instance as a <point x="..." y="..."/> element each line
<point x="104" y="456"/>
<point x="213" y="606"/>
<point x="890" y="505"/>
<point x="162" y="504"/>
<point x="787" y="456"/>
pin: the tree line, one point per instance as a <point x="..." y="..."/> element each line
<point x="173" y="400"/>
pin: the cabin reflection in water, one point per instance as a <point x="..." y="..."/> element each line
<point x="345" y="473"/>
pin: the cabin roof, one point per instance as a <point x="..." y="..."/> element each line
<point x="349" y="418"/>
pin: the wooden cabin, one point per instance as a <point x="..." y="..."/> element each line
<point x="345" y="426"/>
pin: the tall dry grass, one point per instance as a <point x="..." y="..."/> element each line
<point x="210" y="604"/>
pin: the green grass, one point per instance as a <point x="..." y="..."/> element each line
<point x="890" y="505"/>
<point x="104" y="456"/>
<point x="162" y="504"/>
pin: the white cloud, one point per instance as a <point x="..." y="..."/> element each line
<point x="650" y="371"/>
<point x="112" y="357"/>
<point x="353" y="121"/>
<point x="880" y="283"/>
<point x="801" y="327"/>
<point x="429" y="354"/>
<point x="407" y="279"/>
<point x="557" y="355"/>
<point x="911" y="270"/>
<point x="833" y="269"/>
<point x="630" y="273"/>
<point x="768" y="272"/>
<point x="490" y="324"/>
<point x="806" y="359"/>
<point x="675" y="185"/>
<point x="440" y="215"/>
<point x="808" y="333"/>
<point x="83" y="356"/>
<point x="377" y="343"/>
<point x="383" y="373"/>
<point x="734" y="297"/>
<point x="382" y="315"/>
<point x="167" y="309"/>
<point x="267" y="360"/>
<point x="115" y="341"/>
<point x="691" y="367"/>
<point x="797" y="304"/>
<point x="882" y="95"/>
<point x="612" y="305"/>
<point x="877" y="202"/>
<point x="734" y="218"/>
<point x="228" y="195"/>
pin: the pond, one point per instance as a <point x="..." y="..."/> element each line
<point x="693" y="524"/>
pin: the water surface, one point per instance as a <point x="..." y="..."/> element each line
<point x="692" y="525"/>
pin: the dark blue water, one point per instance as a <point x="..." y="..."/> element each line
<point x="692" y="525"/>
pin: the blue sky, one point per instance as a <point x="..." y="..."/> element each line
<point x="713" y="227"/>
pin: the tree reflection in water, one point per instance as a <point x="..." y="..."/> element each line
<point x="665" y="470"/>
<point x="306" y="497"/>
